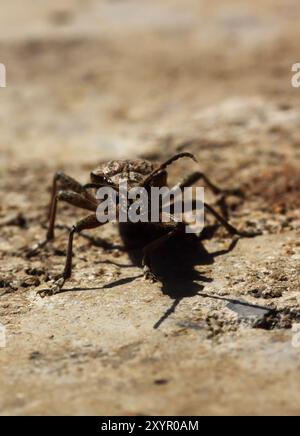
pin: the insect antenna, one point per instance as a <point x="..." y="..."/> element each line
<point x="166" y="164"/>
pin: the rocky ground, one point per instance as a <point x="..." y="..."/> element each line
<point x="92" y="80"/>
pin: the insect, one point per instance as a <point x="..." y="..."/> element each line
<point x="137" y="173"/>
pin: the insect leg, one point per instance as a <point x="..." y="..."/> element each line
<point x="63" y="181"/>
<point x="221" y="193"/>
<point x="72" y="198"/>
<point x="231" y="230"/>
<point x="195" y="177"/>
<point x="89" y="222"/>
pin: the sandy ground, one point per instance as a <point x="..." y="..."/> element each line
<point x="91" y="80"/>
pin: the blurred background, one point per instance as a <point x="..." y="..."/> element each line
<point x="91" y="79"/>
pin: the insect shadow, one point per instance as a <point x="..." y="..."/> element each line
<point x="175" y="264"/>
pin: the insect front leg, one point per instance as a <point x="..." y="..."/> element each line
<point x="73" y="198"/>
<point x="61" y="181"/>
<point x="89" y="222"/>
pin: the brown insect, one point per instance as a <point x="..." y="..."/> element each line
<point x="137" y="173"/>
